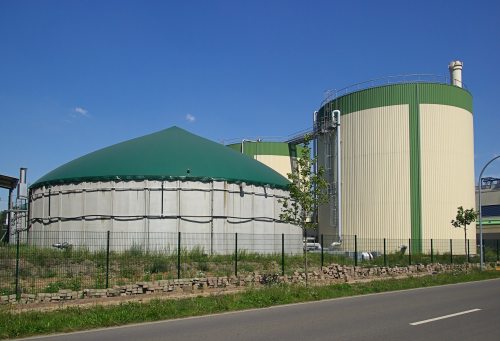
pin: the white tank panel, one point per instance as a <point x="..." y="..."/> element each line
<point x="217" y="209"/>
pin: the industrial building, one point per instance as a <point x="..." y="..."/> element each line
<point x="490" y="207"/>
<point x="398" y="154"/>
<point x="169" y="181"/>
<point x="403" y="163"/>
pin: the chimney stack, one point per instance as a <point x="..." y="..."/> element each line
<point x="456" y="73"/>
<point x="22" y="188"/>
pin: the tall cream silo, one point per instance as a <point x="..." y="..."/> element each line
<point x="406" y="156"/>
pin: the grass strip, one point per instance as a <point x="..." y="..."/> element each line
<point x="75" y="319"/>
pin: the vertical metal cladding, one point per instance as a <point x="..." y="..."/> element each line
<point x="447" y="154"/>
<point x="388" y="177"/>
<point x="279" y="156"/>
<point x="376" y="172"/>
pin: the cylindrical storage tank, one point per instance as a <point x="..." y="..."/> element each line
<point x="161" y="184"/>
<point x="280" y="156"/>
<point x="407" y="163"/>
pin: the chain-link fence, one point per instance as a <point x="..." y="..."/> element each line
<point x="50" y="261"/>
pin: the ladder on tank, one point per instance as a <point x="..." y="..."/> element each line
<point x="326" y="128"/>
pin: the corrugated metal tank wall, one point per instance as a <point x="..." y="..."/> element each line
<point x="280" y="156"/>
<point x="402" y="147"/>
<point x="447" y="165"/>
<point x="217" y="208"/>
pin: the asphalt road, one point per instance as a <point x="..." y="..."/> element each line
<point x="387" y="316"/>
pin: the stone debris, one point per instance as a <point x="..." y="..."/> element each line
<point x="331" y="273"/>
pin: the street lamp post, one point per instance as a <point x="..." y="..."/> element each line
<point x="481" y="211"/>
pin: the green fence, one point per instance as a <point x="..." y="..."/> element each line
<point x="50" y="261"/>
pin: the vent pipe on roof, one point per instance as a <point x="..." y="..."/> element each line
<point x="22" y="188"/>
<point x="456" y="73"/>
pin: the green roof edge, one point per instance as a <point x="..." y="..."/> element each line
<point x="154" y="177"/>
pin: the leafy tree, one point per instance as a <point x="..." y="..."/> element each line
<point x="464" y="218"/>
<point x="307" y="193"/>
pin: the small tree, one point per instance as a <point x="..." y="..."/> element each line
<point x="464" y="218"/>
<point x="307" y="193"/>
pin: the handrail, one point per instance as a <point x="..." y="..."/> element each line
<point x="255" y="138"/>
<point x="373" y="83"/>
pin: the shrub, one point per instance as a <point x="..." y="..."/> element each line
<point x="159" y="265"/>
<point x="127" y="272"/>
<point x="203" y="266"/>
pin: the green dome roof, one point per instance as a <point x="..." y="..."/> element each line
<point x="166" y="155"/>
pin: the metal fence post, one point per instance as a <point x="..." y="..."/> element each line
<point x="385" y="259"/>
<point x="432" y="253"/>
<point x="179" y="256"/>
<point x="451" y="251"/>
<point x="282" y="254"/>
<point x="236" y="254"/>
<point x="497" y="252"/>
<point x="322" y="251"/>
<point x="355" y="250"/>
<point x="17" y="263"/>
<point x="107" y="263"/>
<point x="409" y="251"/>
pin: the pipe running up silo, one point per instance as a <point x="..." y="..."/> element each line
<point x="336" y="118"/>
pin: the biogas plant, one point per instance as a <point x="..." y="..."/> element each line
<point x="398" y="155"/>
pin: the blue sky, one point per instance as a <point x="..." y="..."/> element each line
<point x="77" y="76"/>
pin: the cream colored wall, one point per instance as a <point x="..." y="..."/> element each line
<point x="281" y="164"/>
<point x="376" y="173"/>
<point x="447" y="170"/>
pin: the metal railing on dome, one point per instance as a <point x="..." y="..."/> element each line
<point x="46" y="261"/>
<point x="294" y="138"/>
<point x="415" y="78"/>
<point x="253" y="139"/>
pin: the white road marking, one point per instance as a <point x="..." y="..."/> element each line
<point x="443" y="317"/>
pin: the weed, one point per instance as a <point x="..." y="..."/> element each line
<point x="159" y="265"/>
<point x="74" y="284"/>
<point x="99" y="282"/>
<point x="5" y="291"/>
<point x="135" y="251"/>
<point x="197" y="254"/>
<point x="247" y="267"/>
<point x="49" y="273"/>
<point x="127" y="272"/>
<point x="203" y="266"/>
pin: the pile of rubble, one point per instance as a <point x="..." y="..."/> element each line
<point x="327" y="274"/>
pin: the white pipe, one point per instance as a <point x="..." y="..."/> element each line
<point x="334" y="244"/>
<point x="313" y="246"/>
<point x="336" y="113"/>
<point x="242" y="143"/>
<point x="456" y="73"/>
